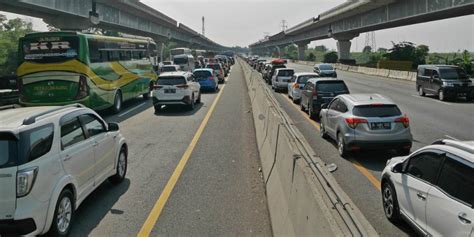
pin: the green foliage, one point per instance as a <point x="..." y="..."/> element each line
<point x="290" y="52"/>
<point x="330" y="57"/>
<point x="321" y="48"/>
<point x="311" y="57"/>
<point x="367" y="49"/>
<point x="382" y="50"/>
<point x="408" y="51"/>
<point x="10" y="33"/>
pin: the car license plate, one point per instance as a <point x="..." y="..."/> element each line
<point x="170" y="91"/>
<point x="462" y="94"/>
<point x="378" y="126"/>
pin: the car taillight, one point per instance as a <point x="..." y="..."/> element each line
<point x="405" y="120"/>
<point x="25" y="179"/>
<point x="296" y="85"/>
<point x="315" y="93"/>
<point x="211" y="78"/>
<point x="221" y="72"/>
<point x="184" y="86"/>
<point x="353" y="122"/>
<point x="83" y="90"/>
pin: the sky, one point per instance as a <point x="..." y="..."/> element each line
<point x="242" y="22"/>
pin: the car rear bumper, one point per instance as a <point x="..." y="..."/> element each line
<point x="17" y="227"/>
<point x="186" y="100"/>
<point x="281" y="85"/>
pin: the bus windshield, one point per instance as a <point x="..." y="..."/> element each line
<point x="50" y="49"/>
<point x="179" y="61"/>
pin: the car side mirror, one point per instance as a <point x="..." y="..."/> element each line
<point x="113" y="127"/>
<point x="324" y="106"/>
<point x="398" y="168"/>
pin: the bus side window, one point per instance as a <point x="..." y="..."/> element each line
<point x="114" y="56"/>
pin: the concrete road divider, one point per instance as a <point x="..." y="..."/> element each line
<point x="303" y="197"/>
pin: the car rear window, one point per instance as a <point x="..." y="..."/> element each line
<point x="170" y="81"/>
<point x="214" y="66"/>
<point x="8" y="148"/>
<point x="376" y="111"/>
<point x="328" y="86"/>
<point x="326" y="67"/>
<point x="202" y="74"/>
<point x="168" y="69"/>
<point x="286" y="73"/>
<point x="304" y="79"/>
<point x="179" y="61"/>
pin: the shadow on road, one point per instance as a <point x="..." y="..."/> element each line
<point x="178" y="110"/>
<point x="97" y="206"/>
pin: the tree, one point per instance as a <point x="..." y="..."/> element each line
<point x="311" y="57"/>
<point x="382" y="50"/>
<point x="321" y="48"/>
<point x="367" y="49"/>
<point x="330" y="57"/>
<point x="10" y="33"/>
<point x="290" y="51"/>
<point x="402" y="51"/>
<point x="421" y="52"/>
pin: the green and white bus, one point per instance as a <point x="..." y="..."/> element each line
<point x="59" y="68"/>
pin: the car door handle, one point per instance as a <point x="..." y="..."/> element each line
<point x="68" y="157"/>
<point x="421" y="196"/>
<point x="463" y="218"/>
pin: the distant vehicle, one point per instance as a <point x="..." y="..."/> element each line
<point x="207" y="78"/>
<point x="317" y="92"/>
<point x="167" y="63"/>
<point x="185" y="62"/>
<point x="51" y="159"/>
<point x="271" y="72"/>
<point x="297" y="84"/>
<point x="176" y="88"/>
<point x="170" y="68"/>
<point x="281" y="78"/>
<point x="432" y="189"/>
<point x="366" y="121"/>
<point x="218" y="69"/>
<point x="180" y="51"/>
<point x="325" y="70"/>
<point x="9" y="93"/>
<point x="59" y="68"/>
<point x="445" y="81"/>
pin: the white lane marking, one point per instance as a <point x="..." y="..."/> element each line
<point x="452" y="138"/>
<point x="132" y="109"/>
<point x="432" y="99"/>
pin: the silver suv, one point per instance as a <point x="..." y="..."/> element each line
<point x="366" y="121"/>
<point x="51" y="159"/>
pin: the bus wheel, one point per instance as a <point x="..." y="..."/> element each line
<point x="117" y="102"/>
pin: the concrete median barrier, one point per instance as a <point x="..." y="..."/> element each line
<point x="303" y="197"/>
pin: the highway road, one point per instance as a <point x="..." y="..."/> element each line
<point x="360" y="175"/>
<point x="191" y="173"/>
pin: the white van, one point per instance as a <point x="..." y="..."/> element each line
<point x="185" y="62"/>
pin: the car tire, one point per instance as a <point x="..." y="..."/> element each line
<point x="157" y="109"/>
<point x="121" y="169"/>
<point x="192" y="105"/>
<point x="322" y="130"/>
<point x="198" y="101"/>
<point x="420" y="91"/>
<point x="390" y="203"/>
<point x="403" y="152"/>
<point x="118" y="101"/>
<point x="63" y="214"/>
<point x="147" y="95"/>
<point x="311" y="113"/>
<point x="470" y="98"/>
<point x="441" y="95"/>
<point x="296" y="101"/>
<point x="302" y="106"/>
<point x="341" y="146"/>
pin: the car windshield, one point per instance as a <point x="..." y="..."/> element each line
<point x="202" y="74"/>
<point x="171" y="81"/>
<point x="168" y="69"/>
<point x="304" y="79"/>
<point x="337" y="86"/>
<point x="179" y="61"/>
<point x="286" y="73"/>
<point x="326" y="67"/>
<point x="214" y="66"/>
<point x="453" y="73"/>
<point x="376" y="111"/>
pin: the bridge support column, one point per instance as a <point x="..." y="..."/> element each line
<point x="344" y="45"/>
<point x="301" y="50"/>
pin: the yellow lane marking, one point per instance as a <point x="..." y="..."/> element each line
<point x="372" y="179"/>
<point x="161" y="202"/>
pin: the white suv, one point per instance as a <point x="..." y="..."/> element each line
<point x="176" y="88"/>
<point x="51" y="159"/>
<point x="432" y="189"/>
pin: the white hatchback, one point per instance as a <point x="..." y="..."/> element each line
<point x="51" y="159"/>
<point x="176" y="88"/>
<point x="432" y="189"/>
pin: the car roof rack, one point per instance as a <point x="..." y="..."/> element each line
<point x="456" y="144"/>
<point x="32" y="119"/>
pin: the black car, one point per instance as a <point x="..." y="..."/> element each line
<point x="271" y="71"/>
<point x="445" y="81"/>
<point x="319" y="91"/>
<point x="325" y="70"/>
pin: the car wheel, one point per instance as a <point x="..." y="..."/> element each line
<point x="390" y="203"/>
<point x="341" y="145"/>
<point x="312" y="114"/>
<point x="403" y="152"/>
<point x="147" y="95"/>
<point x="157" y="109"/>
<point x="192" y="105"/>
<point x="198" y="101"/>
<point x="470" y="98"/>
<point x="117" y="102"/>
<point x="441" y="95"/>
<point x="302" y="106"/>
<point x="63" y="214"/>
<point x="322" y="130"/>
<point x="420" y="91"/>
<point x="121" y="169"/>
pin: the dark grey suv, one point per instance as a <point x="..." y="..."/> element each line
<point x="445" y="81"/>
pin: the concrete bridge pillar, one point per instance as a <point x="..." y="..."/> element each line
<point x="301" y="50"/>
<point x="344" y="45"/>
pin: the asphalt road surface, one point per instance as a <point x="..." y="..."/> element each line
<point x="360" y="175"/>
<point x="190" y="173"/>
